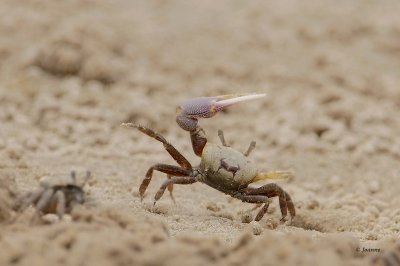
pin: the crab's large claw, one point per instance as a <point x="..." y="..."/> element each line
<point x="205" y="107"/>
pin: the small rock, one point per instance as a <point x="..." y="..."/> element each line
<point x="372" y="210"/>
<point x="246" y="217"/>
<point x="31" y="143"/>
<point x="256" y="227"/>
<point x="374" y="186"/>
<point x="271" y="209"/>
<point x="372" y="236"/>
<point x="313" y="204"/>
<point x="271" y="224"/>
<point x="14" y="152"/>
<point x="50" y="218"/>
<point x="334" y="181"/>
<point x="159" y="208"/>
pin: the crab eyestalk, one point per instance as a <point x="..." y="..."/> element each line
<point x="205" y="107"/>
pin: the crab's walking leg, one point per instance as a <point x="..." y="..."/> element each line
<point x="185" y="168"/>
<point x="178" y="157"/>
<point x="42" y="203"/>
<point x="164" y="168"/>
<point x="273" y="190"/>
<point x="171" y="189"/>
<point x="26" y="200"/>
<point x="183" y="180"/>
<point x="204" y="107"/>
<point x="257" y="199"/>
<point x="44" y="199"/>
<point x="29" y="198"/>
<point x="61" y="203"/>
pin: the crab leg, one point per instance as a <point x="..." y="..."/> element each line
<point x="183" y="180"/>
<point x="273" y="190"/>
<point x="259" y="199"/>
<point x="29" y="198"/>
<point x="42" y="203"/>
<point x="164" y="168"/>
<point x="61" y="203"/>
<point x="44" y="200"/>
<point x="178" y="157"/>
<point x="171" y="189"/>
<point x="170" y="170"/>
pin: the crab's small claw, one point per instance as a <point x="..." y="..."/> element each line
<point x="205" y="107"/>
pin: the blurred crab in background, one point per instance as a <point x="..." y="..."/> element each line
<point x="221" y="167"/>
<point x="56" y="195"/>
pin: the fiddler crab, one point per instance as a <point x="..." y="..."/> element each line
<point x="221" y="167"/>
<point x="55" y="195"/>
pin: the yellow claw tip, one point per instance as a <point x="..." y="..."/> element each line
<point x="273" y="175"/>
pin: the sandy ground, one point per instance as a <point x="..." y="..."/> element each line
<point x="72" y="71"/>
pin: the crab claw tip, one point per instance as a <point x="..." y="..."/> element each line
<point x="128" y="125"/>
<point x="225" y="101"/>
<point x="242" y="96"/>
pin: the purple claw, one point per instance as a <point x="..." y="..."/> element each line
<point x="205" y="107"/>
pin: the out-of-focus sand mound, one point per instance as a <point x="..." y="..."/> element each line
<point x="72" y="71"/>
<point x="93" y="237"/>
<point x="106" y="237"/>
